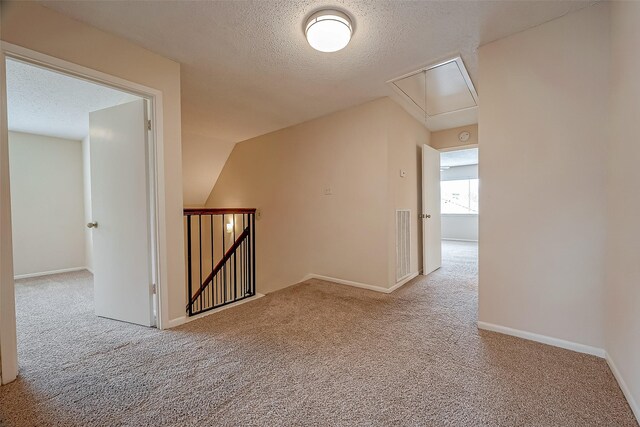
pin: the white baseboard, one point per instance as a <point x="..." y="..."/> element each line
<point x="459" y="240"/>
<point x="360" y="285"/>
<point x="48" y="273"/>
<point x="185" y="319"/>
<point x="403" y="281"/>
<point x="175" y="322"/>
<point x="635" y="408"/>
<point x="556" y="342"/>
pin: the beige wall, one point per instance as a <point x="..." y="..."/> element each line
<point x="623" y="246"/>
<point x="35" y="27"/>
<point x="357" y="154"/>
<point x="8" y="344"/>
<point x="47" y="203"/>
<point x="405" y="137"/>
<point x="6" y="275"/>
<point x="203" y="158"/>
<point x="543" y="121"/>
<point x="446" y="139"/>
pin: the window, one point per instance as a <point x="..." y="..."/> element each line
<point x="459" y="196"/>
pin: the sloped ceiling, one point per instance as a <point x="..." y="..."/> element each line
<point x="248" y="70"/>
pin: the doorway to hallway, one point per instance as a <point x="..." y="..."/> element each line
<point x="82" y="176"/>
<point x="459" y="192"/>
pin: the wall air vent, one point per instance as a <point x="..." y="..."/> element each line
<point x="441" y="95"/>
<point x="403" y="244"/>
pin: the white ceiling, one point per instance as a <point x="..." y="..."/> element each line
<point x="459" y="158"/>
<point x="441" y="97"/>
<point x="44" y="102"/>
<point x="247" y="69"/>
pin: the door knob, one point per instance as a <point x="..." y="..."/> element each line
<point x="92" y="225"/>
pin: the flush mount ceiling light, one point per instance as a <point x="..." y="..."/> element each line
<point x="328" y="30"/>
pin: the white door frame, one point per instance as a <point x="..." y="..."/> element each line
<point x="8" y="346"/>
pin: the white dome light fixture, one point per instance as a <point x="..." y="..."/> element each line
<point x="328" y="30"/>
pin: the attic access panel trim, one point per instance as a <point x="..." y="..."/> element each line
<point x="421" y="105"/>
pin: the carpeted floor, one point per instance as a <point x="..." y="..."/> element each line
<point x="315" y="354"/>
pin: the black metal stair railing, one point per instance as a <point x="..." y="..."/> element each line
<point x="220" y="257"/>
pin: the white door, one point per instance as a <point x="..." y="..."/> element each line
<point x="431" y="232"/>
<point x="120" y="211"/>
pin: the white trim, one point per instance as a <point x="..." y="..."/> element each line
<point x="156" y="142"/>
<point x="52" y="63"/>
<point x="420" y="112"/>
<point x="361" y="285"/>
<point x="556" y="342"/>
<point x="403" y="282"/>
<point x="580" y="348"/>
<point x="49" y="273"/>
<point x="176" y="322"/>
<point x="185" y="319"/>
<point x="157" y="210"/>
<point x="459" y="240"/>
<point x="635" y="408"/>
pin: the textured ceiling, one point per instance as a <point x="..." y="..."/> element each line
<point x="47" y="103"/>
<point x="248" y="70"/>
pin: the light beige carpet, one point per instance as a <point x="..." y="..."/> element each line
<point x="315" y="354"/>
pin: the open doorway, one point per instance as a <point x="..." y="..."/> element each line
<point x="459" y="189"/>
<point x="81" y="167"/>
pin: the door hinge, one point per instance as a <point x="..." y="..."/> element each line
<point x="149" y="124"/>
<point x="154" y="288"/>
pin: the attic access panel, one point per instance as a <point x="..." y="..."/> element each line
<point x="438" y="89"/>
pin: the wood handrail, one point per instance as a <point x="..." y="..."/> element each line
<point x="220" y="263"/>
<point x="217" y="211"/>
